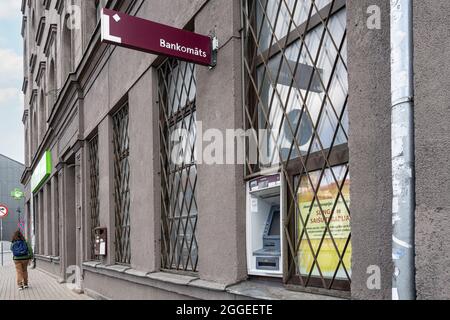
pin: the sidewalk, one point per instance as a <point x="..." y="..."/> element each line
<point x="42" y="286"/>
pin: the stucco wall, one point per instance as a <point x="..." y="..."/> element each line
<point x="369" y="141"/>
<point x="101" y="286"/>
<point x="432" y="138"/>
<point x="221" y="188"/>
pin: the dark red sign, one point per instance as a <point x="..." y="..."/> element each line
<point x="147" y="36"/>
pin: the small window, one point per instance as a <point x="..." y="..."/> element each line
<point x="122" y="185"/>
<point x="177" y="93"/>
<point x="94" y="188"/>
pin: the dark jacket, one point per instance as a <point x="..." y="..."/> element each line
<point x="27" y="257"/>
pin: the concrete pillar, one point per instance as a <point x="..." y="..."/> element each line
<point x="106" y="169"/>
<point x="432" y="140"/>
<point x="221" y="224"/>
<point x="370" y="149"/>
<point x="144" y="184"/>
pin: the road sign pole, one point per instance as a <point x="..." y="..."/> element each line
<point x="3" y="214"/>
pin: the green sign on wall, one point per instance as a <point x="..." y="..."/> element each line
<point x="42" y="172"/>
<point x="17" y="194"/>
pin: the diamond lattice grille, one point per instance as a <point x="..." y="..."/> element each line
<point x="94" y="190"/>
<point x="122" y="185"/>
<point x="295" y="65"/>
<point x="177" y="91"/>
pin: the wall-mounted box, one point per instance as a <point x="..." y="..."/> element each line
<point x="100" y="241"/>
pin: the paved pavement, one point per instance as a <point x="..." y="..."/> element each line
<point x="42" y="286"/>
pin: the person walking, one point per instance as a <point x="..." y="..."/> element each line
<point x="23" y="253"/>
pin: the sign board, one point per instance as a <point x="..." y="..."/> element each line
<point x="17" y="194"/>
<point x="151" y="37"/>
<point x="42" y="172"/>
<point x="3" y="211"/>
<point x="326" y="222"/>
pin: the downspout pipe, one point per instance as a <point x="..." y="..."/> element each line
<point x="402" y="135"/>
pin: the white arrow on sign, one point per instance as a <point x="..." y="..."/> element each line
<point x="3" y="211"/>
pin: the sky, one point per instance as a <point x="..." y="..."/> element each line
<point x="11" y="77"/>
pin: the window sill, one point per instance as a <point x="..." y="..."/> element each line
<point x="50" y="259"/>
<point x="250" y="289"/>
<point x="265" y="290"/>
<point x="161" y="277"/>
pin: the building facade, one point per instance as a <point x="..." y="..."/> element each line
<point x="125" y="190"/>
<point x="10" y="174"/>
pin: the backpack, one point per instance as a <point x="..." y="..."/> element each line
<point x="20" y="249"/>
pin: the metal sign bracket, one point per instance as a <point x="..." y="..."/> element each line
<point x="215" y="50"/>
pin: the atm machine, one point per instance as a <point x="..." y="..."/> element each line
<point x="264" y="226"/>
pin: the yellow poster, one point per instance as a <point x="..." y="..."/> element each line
<point x="314" y="217"/>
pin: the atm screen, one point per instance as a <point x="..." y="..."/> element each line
<point x="275" y="225"/>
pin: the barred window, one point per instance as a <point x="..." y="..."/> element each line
<point x="94" y="191"/>
<point x="122" y="185"/>
<point x="296" y="91"/>
<point x="177" y="92"/>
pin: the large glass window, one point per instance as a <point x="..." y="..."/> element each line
<point x="295" y="65"/>
<point x="177" y="92"/>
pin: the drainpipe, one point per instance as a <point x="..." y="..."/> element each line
<point x="402" y="130"/>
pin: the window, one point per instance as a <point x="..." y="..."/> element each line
<point x="67" y="49"/>
<point x="42" y="118"/>
<point x="296" y="100"/>
<point x="27" y="145"/>
<point x="122" y="185"/>
<point x="34" y="130"/>
<point x="177" y="92"/>
<point x="48" y="218"/>
<point x="52" y="92"/>
<point x="36" y="223"/>
<point x="56" y="205"/>
<point x="98" y="9"/>
<point x="94" y="190"/>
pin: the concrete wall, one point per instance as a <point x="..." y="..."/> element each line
<point x="370" y="147"/>
<point x="432" y="117"/>
<point x="221" y="191"/>
<point x="144" y="182"/>
<point x="106" y="287"/>
<point x="51" y="267"/>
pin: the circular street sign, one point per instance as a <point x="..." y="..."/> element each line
<point x="3" y="211"/>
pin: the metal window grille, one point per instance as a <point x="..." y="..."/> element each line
<point x="94" y="191"/>
<point x="177" y="92"/>
<point x="295" y="65"/>
<point x="122" y="185"/>
<point x="56" y="222"/>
